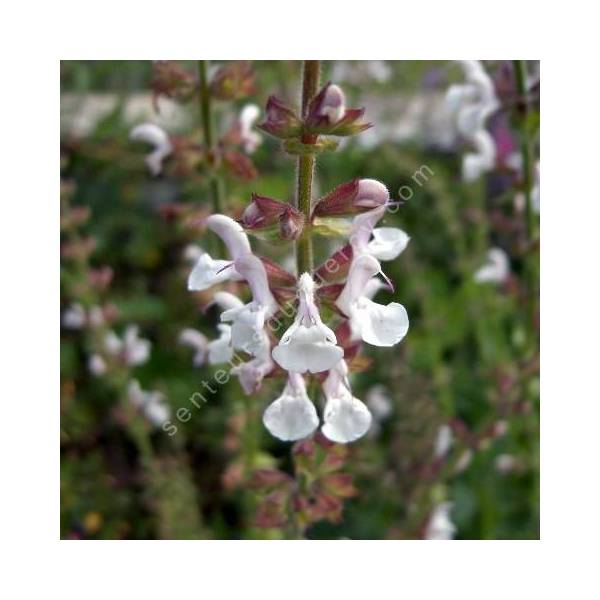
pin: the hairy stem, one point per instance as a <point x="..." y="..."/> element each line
<point x="306" y="166"/>
<point x="208" y="128"/>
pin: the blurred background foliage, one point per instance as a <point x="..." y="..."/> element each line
<point x="468" y="364"/>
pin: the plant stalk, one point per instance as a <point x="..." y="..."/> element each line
<point x="306" y="165"/>
<point x="208" y="128"/>
<point x="526" y="146"/>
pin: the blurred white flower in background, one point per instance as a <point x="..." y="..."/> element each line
<point x="150" y="403"/>
<point x="251" y="139"/>
<point x="131" y="349"/>
<point x="97" y="365"/>
<point x="443" y="441"/>
<point x="379" y="402"/>
<point x="440" y="526"/>
<point x="157" y="137"/>
<point x="472" y="103"/>
<point x="496" y="269"/>
<point x="74" y="317"/>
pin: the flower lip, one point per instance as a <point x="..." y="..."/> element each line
<point x="292" y="416"/>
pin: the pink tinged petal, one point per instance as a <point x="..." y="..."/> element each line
<point x="292" y="416"/>
<point x="231" y="233"/>
<point x="380" y="325"/>
<point x="371" y="194"/>
<point x="251" y="373"/>
<point x="361" y="271"/>
<point x="253" y="271"/>
<point x="387" y="243"/>
<point x="208" y="272"/>
<point x="362" y="228"/>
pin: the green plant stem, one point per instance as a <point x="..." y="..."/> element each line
<point x="306" y="166"/>
<point x="208" y="128"/>
<point x="526" y="146"/>
<point x="527" y="152"/>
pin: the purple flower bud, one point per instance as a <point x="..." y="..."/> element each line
<point x="281" y="121"/>
<point x="352" y="197"/>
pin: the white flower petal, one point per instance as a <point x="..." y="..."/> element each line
<point x="346" y="419"/>
<point x="220" y="350"/>
<point x="307" y="352"/>
<point x="387" y="243"/>
<point x="208" y="272"/>
<point x="380" y="325"/>
<point x="232" y="234"/>
<point x="292" y="416"/>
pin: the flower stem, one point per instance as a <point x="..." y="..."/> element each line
<point x="526" y="147"/>
<point x="208" y="128"/>
<point x="527" y="152"/>
<point x="306" y="165"/>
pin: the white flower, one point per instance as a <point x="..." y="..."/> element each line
<point x="198" y="342"/>
<point x="250" y="139"/>
<point x="132" y="350"/>
<point x="74" y="317"/>
<point x="475" y="164"/>
<point x="208" y="271"/>
<point x="247" y="331"/>
<point x="387" y="242"/>
<point x="472" y="103"/>
<point x="308" y="344"/>
<point x="292" y="416"/>
<point x="154" y="135"/>
<point x="439" y="526"/>
<point x="443" y="441"/>
<point x="151" y="404"/>
<point x="96" y="316"/>
<point x="97" y="365"/>
<point x="345" y="417"/>
<point x="496" y="269"/>
<point x="374" y="323"/>
<point x="379" y="402"/>
<point x="505" y="463"/>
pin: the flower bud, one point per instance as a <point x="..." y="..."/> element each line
<point x="272" y="219"/>
<point x="233" y="81"/>
<point x="281" y="121"/>
<point x="358" y="195"/>
<point x="171" y="81"/>
<point x="327" y="114"/>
